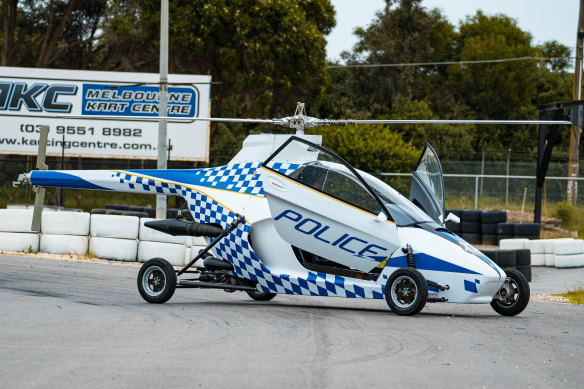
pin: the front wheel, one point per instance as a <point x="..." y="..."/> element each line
<point x="156" y="281"/>
<point x="406" y="291"/>
<point x="513" y="296"/>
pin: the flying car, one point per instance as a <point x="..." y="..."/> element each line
<point x="288" y="216"/>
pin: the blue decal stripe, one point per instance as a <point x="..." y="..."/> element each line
<point x="428" y="262"/>
<point x="63" y="180"/>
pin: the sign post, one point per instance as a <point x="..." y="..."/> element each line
<point x="161" y="199"/>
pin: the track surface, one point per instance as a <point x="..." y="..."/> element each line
<point x="71" y="324"/>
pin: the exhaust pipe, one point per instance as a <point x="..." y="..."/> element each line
<point x="177" y="227"/>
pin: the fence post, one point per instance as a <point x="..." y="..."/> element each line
<point x="476" y="192"/>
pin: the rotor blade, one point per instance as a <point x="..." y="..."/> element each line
<point x="37" y="214"/>
<point x="320" y="122"/>
<point x="172" y="119"/>
<point x="40" y="195"/>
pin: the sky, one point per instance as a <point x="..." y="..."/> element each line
<point x="546" y="20"/>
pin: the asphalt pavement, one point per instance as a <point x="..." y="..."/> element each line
<point x="74" y="324"/>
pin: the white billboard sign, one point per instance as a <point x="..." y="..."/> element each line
<point x="31" y="97"/>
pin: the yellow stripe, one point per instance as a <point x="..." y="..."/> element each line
<point x="320" y="193"/>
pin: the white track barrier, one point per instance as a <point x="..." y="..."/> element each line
<point x="569" y="247"/>
<point x="149" y="234"/>
<point x="172" y="252"/>
<point x="536" y="246"/>
<point x="573" y="260"/>
<point x="512" y="244"/>
<point x="550" y="260"/>
<point x="65" y="223"/>
<point x="112" y="248"/>
<point x="19" y="241"/>
<point x="537" y="259"/>
<point x="15" y="220"/>
<point x="64" y="244"/>
<point x="114" y="226"/>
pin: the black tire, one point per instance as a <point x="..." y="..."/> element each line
<point x="526" y="271"/>
<point x="260" y="296"/>
<point x="399" y="288"/>
<point x="471" y="228"/>
<point x="526" y="229"/>
<point x="472" y="238"/>
<point x="518" y="300"/>
<point x="505" y="228"/>
<point x="493" y="217"/>
<point x="489" y="228"/>
<point x="499" y="237"/>
<point x="506" y="258"/>
<point x="454" y="227"/>
<point x="490" y="240"/>
<point x="471" y="215"/>
<point x="523" y="258"/>
<point x="491" y="254"/>
<point x="156" y="281"/>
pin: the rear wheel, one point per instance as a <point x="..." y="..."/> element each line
<point x="513" y="297"/>
<point x="260" y="296"/>
<point x="156" y="281"/>
<point x="406" y="291"/>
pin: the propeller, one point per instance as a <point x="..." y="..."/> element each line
<point x="40" y="191"/>
<point x="299" y="121"/>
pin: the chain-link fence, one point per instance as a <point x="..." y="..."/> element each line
<point x="516" y="194"/>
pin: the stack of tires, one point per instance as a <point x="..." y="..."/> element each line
<point x="518" y="258"/>
<point x="477" y="226"/>
<point x="471" y="226"/>
<point x="489" y="222"/>
<point x="517" y="231"/>
<point x="114" y="237"/>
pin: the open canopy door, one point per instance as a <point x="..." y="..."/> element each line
<point x="324" y="207"/>
<point x="428" y="185"/>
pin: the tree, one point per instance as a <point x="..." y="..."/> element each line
<point x="405" y="32"/>
<point x="55" y="33"/>
<point x="370" y="147"/>
<point x="268" y="53"/>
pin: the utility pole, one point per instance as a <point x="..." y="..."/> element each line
<point x="577" y="95"/>
<point x="163" y="103"/>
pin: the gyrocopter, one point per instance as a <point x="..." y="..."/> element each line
<point x="287" y="216"/>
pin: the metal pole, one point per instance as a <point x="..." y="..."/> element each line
<point x="476" y="192"/>
<point x="163" y="104"/>
<point x="577" y="93"/>
<point x="482" y="171"/>
<point x="61" y="190"/>
<point x="507" y="181"/>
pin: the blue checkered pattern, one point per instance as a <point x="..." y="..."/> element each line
<point x="236" y="249"/>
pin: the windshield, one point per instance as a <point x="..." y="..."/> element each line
<point x="429" y="172"/>
<point x="403" y="210"/>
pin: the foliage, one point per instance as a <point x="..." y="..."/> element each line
<point x="574" y="295"/>
<point x="269" y="53"/>
<point x="567" y="215"/>
<point x="370" y="147"/>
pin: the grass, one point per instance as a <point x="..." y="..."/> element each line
<point x="574" y="296"/>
